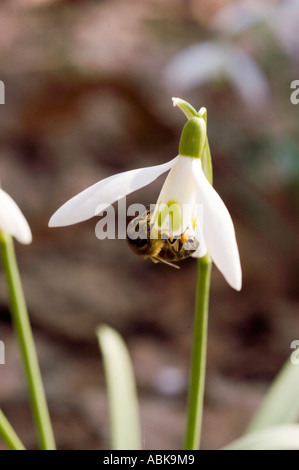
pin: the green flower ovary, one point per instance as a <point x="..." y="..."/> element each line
<point x="193" y="138"/>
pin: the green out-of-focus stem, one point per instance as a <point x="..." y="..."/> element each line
<point x="27" y="346"/>
<point x="8" y="434"/>
<point x="198" y="365"/>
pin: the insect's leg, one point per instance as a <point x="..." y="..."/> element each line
<point x="176" y="245"/>
<point x="161" y="260"/>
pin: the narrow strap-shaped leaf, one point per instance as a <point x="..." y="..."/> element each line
<point x="285" y="437"/>
<point x="281" y="403"/>
<point x="121" y="387"/>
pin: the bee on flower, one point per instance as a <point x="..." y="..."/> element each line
<point x="188" y="210"/>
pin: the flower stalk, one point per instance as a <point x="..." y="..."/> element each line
<point x="9" y="435"/>
<point x="199" y="352"/>
<point x="26" y="341"/>
<point x="204" y="266"/>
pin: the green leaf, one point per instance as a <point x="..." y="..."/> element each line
<point x="121" y="387"/>
<point x="281" y="404"/>
<point x="285" y="437"/>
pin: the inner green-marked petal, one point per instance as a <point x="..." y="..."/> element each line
<point x="171" y="209"/>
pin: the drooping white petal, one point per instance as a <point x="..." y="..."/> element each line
<point x="218" y="229"/>
<point x="282" y="16"/>
<point x="285" y="22"/>
<point x="93" y="200"/>
<point x="12" y="220"/>
<point x="236" y="17"/>
<point x="202" y="247"/>
<point x="177" y="199"/>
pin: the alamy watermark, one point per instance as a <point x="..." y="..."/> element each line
<point x="295" y="94"/>
<point x="168" y="219"/>
<point x="295" y="354"/>
<point x="2" y="92"/>
<point x="2" y="352"/>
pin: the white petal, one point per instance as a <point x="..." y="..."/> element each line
<point x="237" y="17"/>
<point x="179" y="190"/>
<point x="218" y="229"/>
<point x="94" y="199"/>
<point x="202" y="248"/>
<point x="285" y="22"/>
<point x="12" y="220"/>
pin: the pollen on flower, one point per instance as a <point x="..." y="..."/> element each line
<point x="184" y="237"/>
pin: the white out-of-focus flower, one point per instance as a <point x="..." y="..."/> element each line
<point x="12" y="220"/>
<point x="201" y="63"/>
<point x="282" y="17"/>
<point x="186" y="186"/>
<point x="241" y="15"/>
<point x="285" y="22"/>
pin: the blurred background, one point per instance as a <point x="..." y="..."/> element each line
<point x="88" y="87"/>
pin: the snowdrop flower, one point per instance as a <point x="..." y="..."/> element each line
<point x="285" y="22"/>
<point x="12" y="220"/>
<point x="236" y="17"/>
<point x="185" y="186"/>
<point x="282" y="17"/>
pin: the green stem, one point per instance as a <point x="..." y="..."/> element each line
<point x="9" y="435"/>
<point x="27" y="346"/>
<point x="198" y="365"/>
